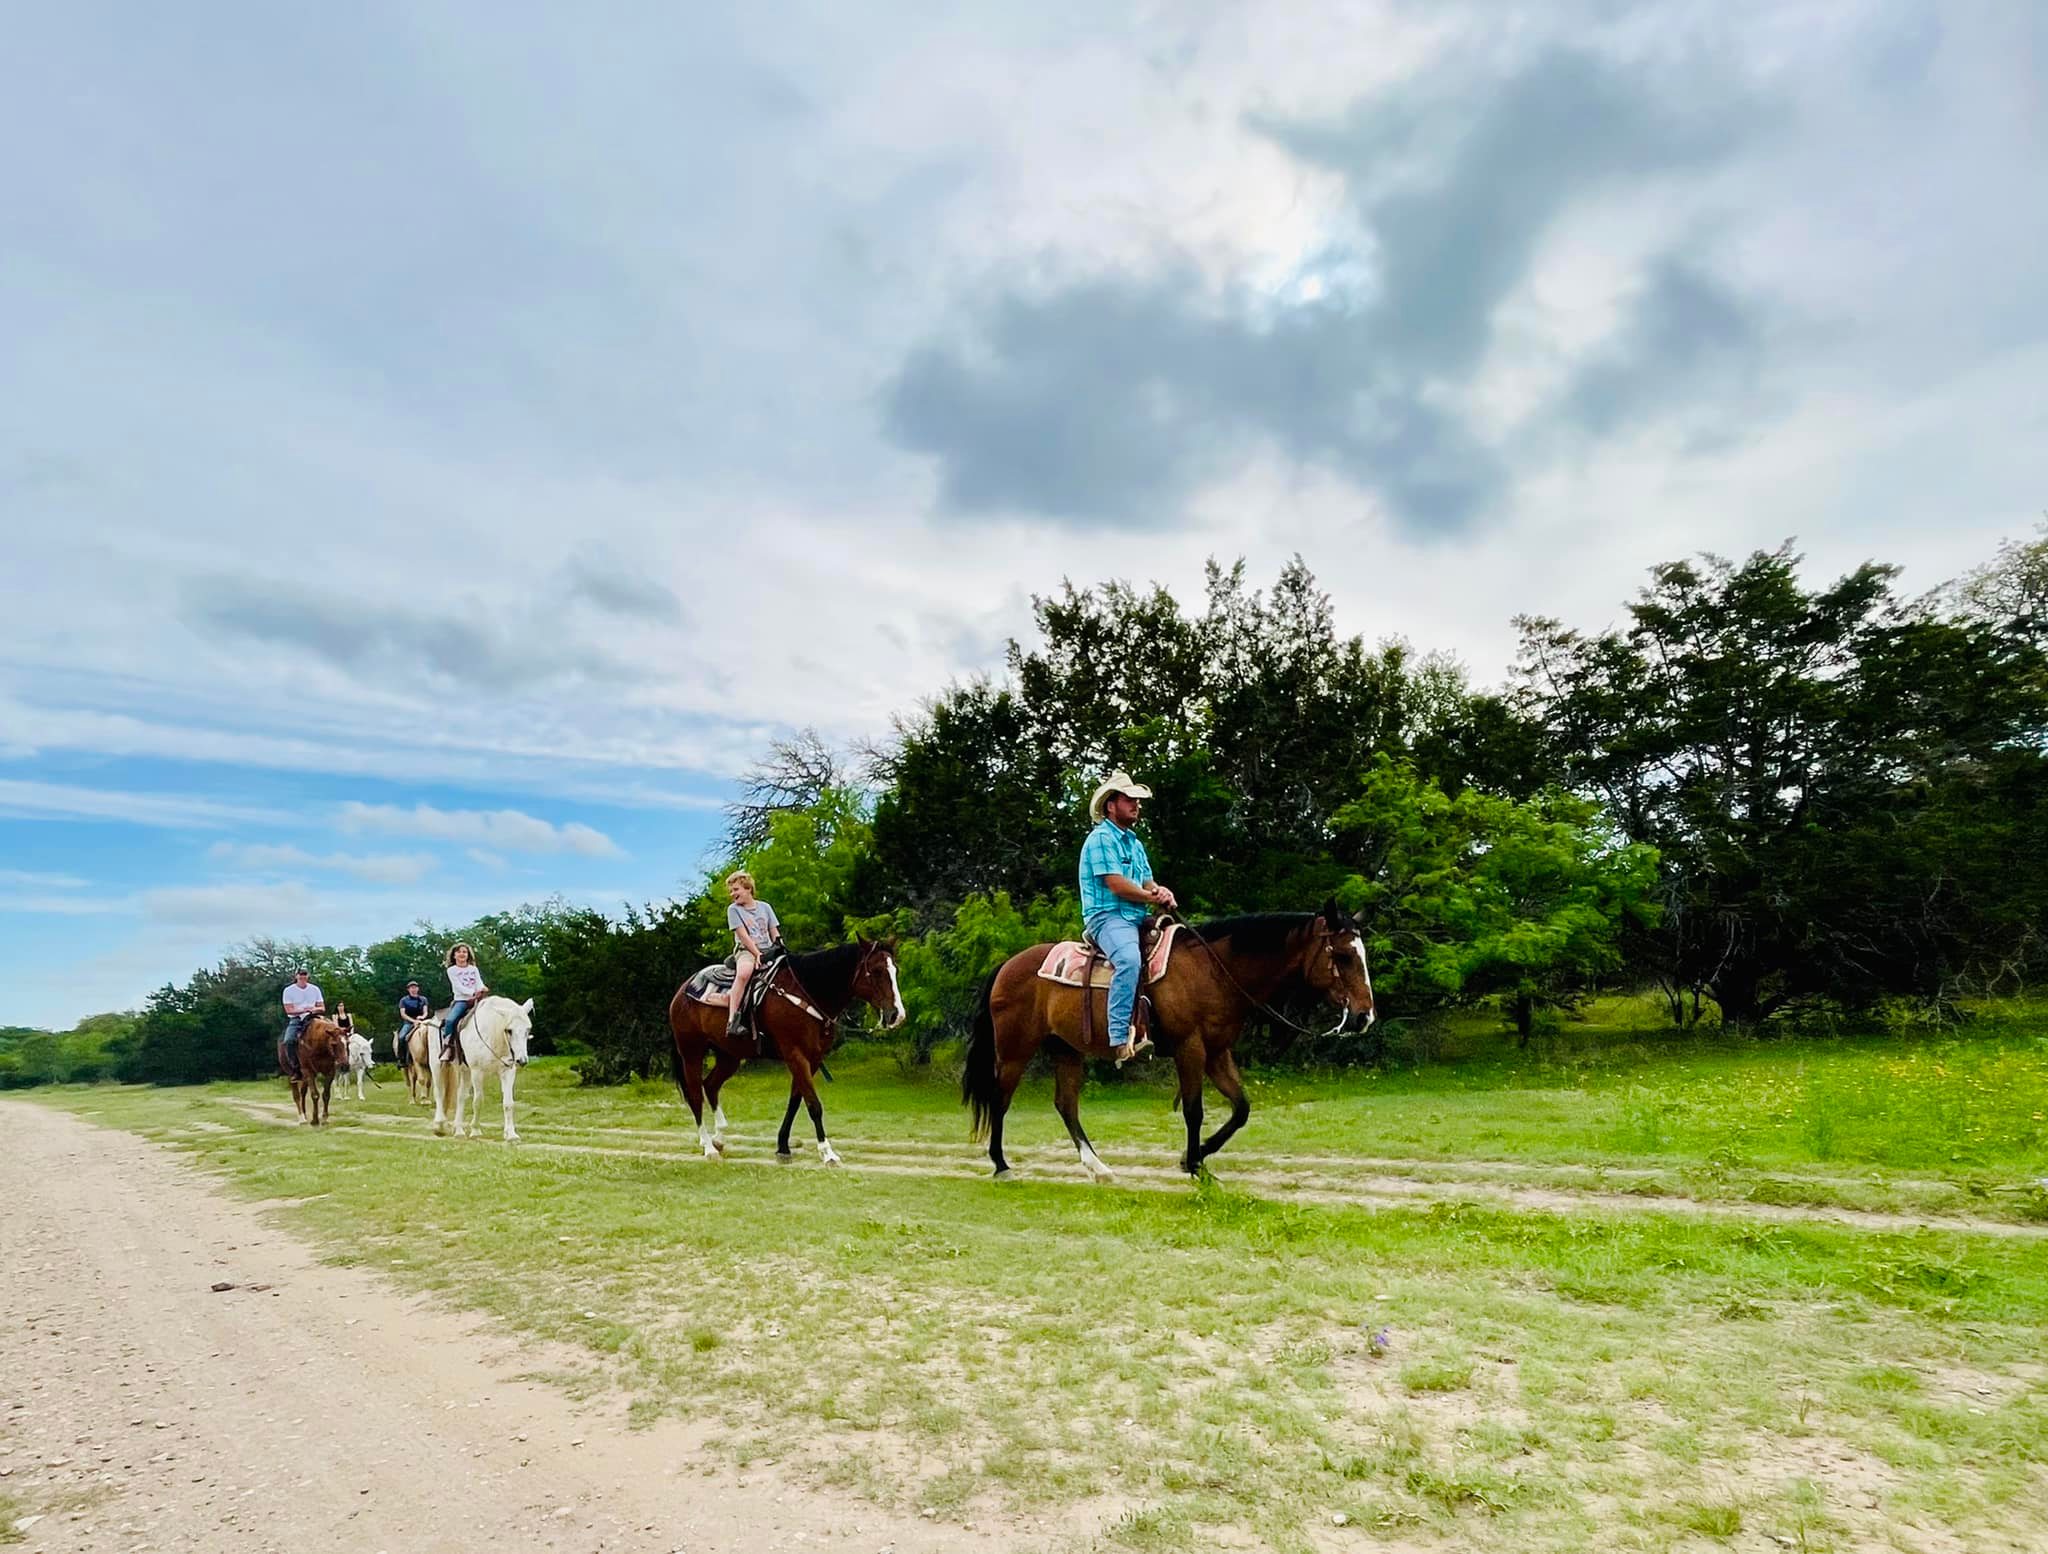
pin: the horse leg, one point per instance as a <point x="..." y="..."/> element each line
<point x="691" y="1061"/>
<point x="723" y="1066"/>
<point x="1066" y="1100"/>
<point x="469" y="1081"/>
<point x="1224" y="1076"/>
<point x="506" y="1079"/>
<point x="437" y="1086"/>
<point x="788" y="1117"/>
<point x="1009" y="1075"/>
<point x="1190" y="1058"/>
<point x="802" y="1085"/>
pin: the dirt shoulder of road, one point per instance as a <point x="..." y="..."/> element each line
<point x="315" y="1407"/>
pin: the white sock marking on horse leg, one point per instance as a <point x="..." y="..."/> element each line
<point x="1097" y="1171"/>
<point x="718" y="1122"/>
<point x="827" y="1155"/>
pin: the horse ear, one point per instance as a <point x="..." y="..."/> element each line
<point x="889" y="944"/>
<point x="527" y="1006"/>
<point x="1332" y="913"/>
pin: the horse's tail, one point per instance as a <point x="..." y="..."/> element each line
<point x="675" y="1066"/>
<point x="978" y="1088"/>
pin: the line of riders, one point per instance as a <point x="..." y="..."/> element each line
<point x="1118" y="892"/>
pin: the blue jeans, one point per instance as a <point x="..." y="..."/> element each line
<point x="294" y="1028"/>
<point x="1117" y="937"/>
<point x="451" y="1020"/>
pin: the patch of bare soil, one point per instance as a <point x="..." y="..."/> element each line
<point x="307" y="1407"/>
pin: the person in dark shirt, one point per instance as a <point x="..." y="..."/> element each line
<point x="411" y="1008"/>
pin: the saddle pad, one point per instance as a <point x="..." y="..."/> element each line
<point x="715" y="978"/>
<point x="1064" y="960"/>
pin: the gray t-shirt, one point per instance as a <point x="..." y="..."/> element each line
<point x="759" y="918"/>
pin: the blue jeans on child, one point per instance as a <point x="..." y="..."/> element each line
<point x="450" y="1021"/>
<point x="1117" y="937"/>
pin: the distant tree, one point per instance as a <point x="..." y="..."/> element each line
<point x="798" y="771"/>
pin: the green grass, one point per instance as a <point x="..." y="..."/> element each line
<point x="1150" y="1368"/>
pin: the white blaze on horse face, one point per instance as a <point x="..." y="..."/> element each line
<point x="896" y="990"/>
<point x="1365" y="970"/>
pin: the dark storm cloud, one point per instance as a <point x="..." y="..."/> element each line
<point x="1116" y="399"/>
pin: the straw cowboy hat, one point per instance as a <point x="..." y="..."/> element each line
<point x="1116" y="782"/>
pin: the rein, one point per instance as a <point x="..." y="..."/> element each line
<point x="1260" y="1006"/>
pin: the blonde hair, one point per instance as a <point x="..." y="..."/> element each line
<point x="459" y="944"/>
<point x="742" y="877"/>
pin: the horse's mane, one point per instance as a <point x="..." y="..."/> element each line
<point x="1255" y="933"/>
<point x="827" y="975"/>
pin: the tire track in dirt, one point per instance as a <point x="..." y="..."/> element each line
<point x="1056" y="1167"/>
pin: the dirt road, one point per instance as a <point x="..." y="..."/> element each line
<point x="314" y="1408"/>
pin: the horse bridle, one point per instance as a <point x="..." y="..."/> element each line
<point x="1343" y="1015"/>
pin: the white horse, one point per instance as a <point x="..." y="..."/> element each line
<point x="493" y="1037"/>
<point x="359" y="1062"/>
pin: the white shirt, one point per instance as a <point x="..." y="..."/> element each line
<point x="300" y="1000"/>
<point x="465" y="981"/>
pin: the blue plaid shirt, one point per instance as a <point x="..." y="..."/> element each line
<point x="1110" y="849"/>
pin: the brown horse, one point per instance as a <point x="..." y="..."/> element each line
<point x="1218" y="975"/>
<point x="323" y="1053"/>
<point x="805" y="996"/>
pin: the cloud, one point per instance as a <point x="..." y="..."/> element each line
<point x="378" y="869"/>
<point x="1116" y="397"/>
<point x="601" y="580"/>
<point x="1685" y="333"/>
<point x="501" y="830"/>
<point x="463" y="639"/>
<point x="166" y="811"/>
<point x="233" y="910"/>
<point x="31" y="879"/>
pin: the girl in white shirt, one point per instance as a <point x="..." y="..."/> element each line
<point x="466" y="982"/>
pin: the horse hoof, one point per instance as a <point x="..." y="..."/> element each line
<point x="1006" y="1175"/>
<point x="829" y="1157"/>
<point x="784" y="1156"/>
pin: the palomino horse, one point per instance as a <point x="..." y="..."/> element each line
<point x="800" y="1009"/>
<point x="323" y="1052"/>
<point x="1212" y="986"/>
<point x="409" y="1047"/>
<point x="494" y="1036"/>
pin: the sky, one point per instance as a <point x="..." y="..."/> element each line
<point x="441" y="445"/>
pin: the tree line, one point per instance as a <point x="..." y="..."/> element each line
<point x="1755" y="794"/>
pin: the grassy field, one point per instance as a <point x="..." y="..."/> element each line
<point x="1619" y="1292"/>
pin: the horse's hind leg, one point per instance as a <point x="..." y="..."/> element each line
<point x="1009" y="1075"/>
<point x="691" y="1060"/>
<point x="723" y="1066"/>
<point x="1066" y="1100"/>
<point x="1190" y="1059"/>
<point x="1224" y="1076"/>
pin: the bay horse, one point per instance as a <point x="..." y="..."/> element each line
<point x="493" y="1039"/>
<point x="800" y="1008"/>
<point x="323" y="1053"/>
<point x="1233" y="967"/>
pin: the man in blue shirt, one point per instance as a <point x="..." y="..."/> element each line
<point x="1117" y="893"/>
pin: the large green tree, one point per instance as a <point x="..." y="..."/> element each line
<point x="1820" y="769"/>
